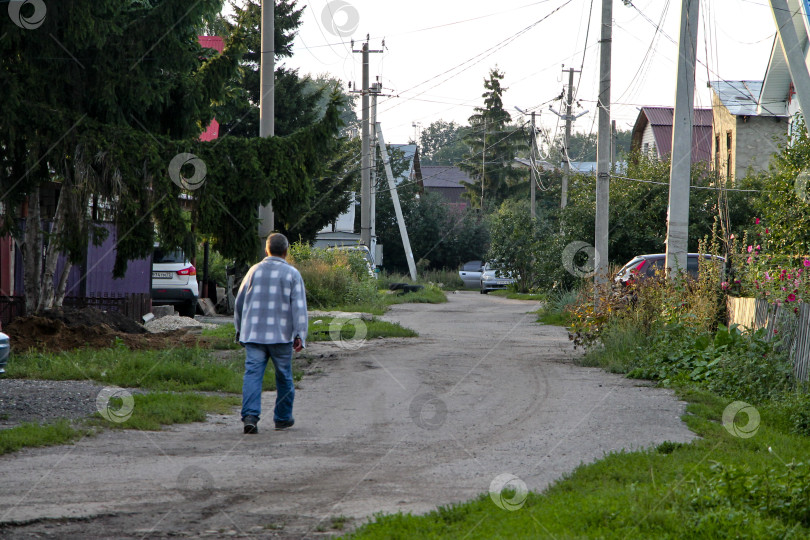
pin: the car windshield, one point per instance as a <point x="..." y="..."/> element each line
<point x="168" y="256"/>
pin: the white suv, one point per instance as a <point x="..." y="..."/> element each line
<point x="174" y="281"/>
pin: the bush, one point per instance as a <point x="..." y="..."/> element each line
<point x="333" y="277"/>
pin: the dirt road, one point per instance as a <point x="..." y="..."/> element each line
<point x="396" y="425"/>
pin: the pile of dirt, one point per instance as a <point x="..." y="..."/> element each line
<point x="94" y="317"/>
<point x="72" y="329"/>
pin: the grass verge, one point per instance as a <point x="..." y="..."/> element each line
<point x="326" y="330"/>
<point x="512" y="295"/>
<point x="180" y="369"/>
<point x="719" y="486"/>
<point x="149" y="412"/>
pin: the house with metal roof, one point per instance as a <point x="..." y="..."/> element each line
<point x="652" y="133"/>
<point x="447" y="181"/>
<point x="746" y="136"/>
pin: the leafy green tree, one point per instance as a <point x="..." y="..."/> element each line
<point x="785" y="203"/>
<point x="442" y="143"/>
<point x="492" y="147"/>
<point x="100" y="128"/>
<point x="441" y="236"/>
<point x="516" y="243"/>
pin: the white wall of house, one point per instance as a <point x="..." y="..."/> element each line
<point x="648" y="140"/>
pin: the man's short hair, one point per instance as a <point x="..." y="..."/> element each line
<point x="277" y="244"/>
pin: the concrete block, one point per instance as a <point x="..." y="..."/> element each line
<point x="207" y="306"/>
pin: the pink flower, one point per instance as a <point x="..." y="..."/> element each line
<point x="731" y="237"/>
<point x="791" y="297"/>
<point x="806" y="263"/>
<point x="767" y="231"/>
<point x="724" y="285"/>
<point x="768" y="277"/>
<point x="749" y="260"/>
<point x="757" y="221"/>
<point x="758" y="248"/>
<point x="750" y="249"/>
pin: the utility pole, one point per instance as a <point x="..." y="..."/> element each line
<point x="613" y="138"/>
<point x="533" y="166"/>
<point x="267" y="105"/>
<point x="603" y="152"/>
<point x="679" y="176"/>
<point x="569" y="119"/>
<point x="375" y="91"/>
<point x="794" y="53"/>
<point x="483" y="163"/>
<point x="392" y="187"/>
<point x="365" y="173"/>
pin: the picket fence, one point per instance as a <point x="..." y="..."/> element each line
<point x="780" y="322"/>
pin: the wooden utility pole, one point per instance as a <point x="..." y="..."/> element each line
<point x="267" y="104"/>
<point x="603" y="151"/>
<point x="680" y="169"/>
<point x="794" y="53"/>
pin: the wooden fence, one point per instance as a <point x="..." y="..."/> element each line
<point x="780" y="322"/>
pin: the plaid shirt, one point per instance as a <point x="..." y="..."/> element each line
<point x="271" y="306"/>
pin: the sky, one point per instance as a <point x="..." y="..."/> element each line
<point x="438" y="53"/>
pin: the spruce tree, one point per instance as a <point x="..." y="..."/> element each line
<point x="492" y="148"/>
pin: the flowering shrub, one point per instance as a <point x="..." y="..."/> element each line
<point x="762" y="273"/>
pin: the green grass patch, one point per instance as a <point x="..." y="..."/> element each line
<point x="326" y="330"/>
<point x="512" y="295"/>
<point x="150" y="412"/>
<point x="34" y="434"/>
<point x="553" y="318"/>
<point x="431" y="294"/>
<point x="221" y="337"/>
<point x="719" y="486"/>
<point x="181" y="369"/>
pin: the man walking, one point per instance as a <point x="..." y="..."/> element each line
<point x="270" y="317"/>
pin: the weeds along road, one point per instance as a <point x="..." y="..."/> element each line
<point x="395" y="425"/>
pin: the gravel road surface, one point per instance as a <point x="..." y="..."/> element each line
<point x="395" y="425"/>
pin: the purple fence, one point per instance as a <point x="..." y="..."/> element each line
<point x="92" y="283"/>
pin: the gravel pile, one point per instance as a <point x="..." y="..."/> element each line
<point x="174" y="322"/>
<point x="23" y="400"/>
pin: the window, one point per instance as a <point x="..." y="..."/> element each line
<point x="729" y="170"/>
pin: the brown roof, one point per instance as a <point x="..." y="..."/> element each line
<point x="660" y="121"/>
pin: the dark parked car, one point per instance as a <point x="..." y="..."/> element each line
<point x="648" y="265"/>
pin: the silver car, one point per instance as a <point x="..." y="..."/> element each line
<point x="493" y="278"/>
<point x="470" y="274"/>
<point x="4" y="351"/>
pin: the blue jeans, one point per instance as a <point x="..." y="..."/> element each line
<point x="256" y="356"/>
